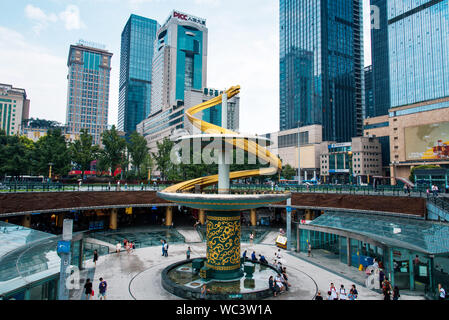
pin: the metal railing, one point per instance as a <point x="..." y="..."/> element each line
<point x="59" y="187"/>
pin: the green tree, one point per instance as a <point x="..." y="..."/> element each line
<point x="14" y="155"/>
<point x="138" y="151"/>
<point x="113" y="153"/>
<point x="288" y="172"/>
<point x="52" y="148"/>
<point x="82" y="151"/>
<point x="168" y="170"/>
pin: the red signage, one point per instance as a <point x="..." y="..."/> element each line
<point x="186" y="17"/>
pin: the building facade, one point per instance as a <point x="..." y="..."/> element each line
<point x="285" y="144"/>
<point x="179" y="80"/>
<point x="321" y="66"/>
<point x="416" y="123"/>
<point x="136" y="61"/>
<point x="418" y="135"/>
<point x="359" y="160"/>
<point x="418" y="46"/>
<point x="369" y="92"/>
<point x="14" y="108"/>
<point x="162" y="124"/>
<point x="88" y="90"/>
<point x="180" y="60"/>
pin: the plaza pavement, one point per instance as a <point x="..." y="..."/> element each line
<point x="137" y="275"/>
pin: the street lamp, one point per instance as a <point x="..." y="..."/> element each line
<point x="299" y="154"/>
<point x="49" y="171"/>
<point x="350" y="166"/>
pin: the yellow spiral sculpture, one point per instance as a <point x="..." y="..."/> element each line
<point x="241" y="143"/>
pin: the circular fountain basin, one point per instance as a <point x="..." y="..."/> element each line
<point x="224" y="202"/>
<point x="183" y="281"/>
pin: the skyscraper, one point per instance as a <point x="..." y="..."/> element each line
<point x="179" y="75"/>
<point x="418" y="47"/>
<point x="379" y="62"/>
<point x="180" y="60"/>
<point x="88" y="89"/>
<point x="136" y="60"/>
<point x="321" y="66"/>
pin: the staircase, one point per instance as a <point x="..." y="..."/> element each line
<point x="438" y="208"/>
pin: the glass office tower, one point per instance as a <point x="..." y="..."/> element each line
<point x="321" y="66"/>
<point x="379" y="62"/>
<point x="88" y="90"/>
<point x="418" y="46"/>
<point x="180" y="60"/>
<point x="136" y="62"/>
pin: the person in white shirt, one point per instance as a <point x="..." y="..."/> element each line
<point x="118" y="247"/>
<point x="279" y="283"/>
<point x="333" y="291"/>
<point x="343" y="294"/>
<point x="441" y="292"/>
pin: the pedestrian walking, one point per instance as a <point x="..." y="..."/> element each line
<point x="163" y="247"/>
<point x="141" y="186"/>
<point x="188" y="253"/>
<point x="166" y="248"/>
<point x="309" y="250"/>
<point x="109" y="186"/>
<point x="396" y="293"/>
<point x="318" y="296"/>
<point x="95" y="257"/>
<point x="441" y="292"/>
<point x="118" y="247"/>
<point x="88" y="289"/>
<point x="118" y="185"/>
<point x="251" y="238"/>
<point x="102" y="289"/>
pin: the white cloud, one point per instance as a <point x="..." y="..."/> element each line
<point x="70" y="17"/>
<point x="40" y="18"/>
<point x="33" y="68"/>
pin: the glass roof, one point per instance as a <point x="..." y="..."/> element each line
<point x="413" y="234"/>
<point x="26" y="255"/>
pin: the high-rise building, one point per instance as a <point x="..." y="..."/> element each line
<point x="179" y="76"/>
<point x="136" y="61"/>
<point x="418" y="47"/>
<point x="369" y="92"/>
<point x="379" y="61"/>
<point x="180" y="60"/>
<point x="321" y="66"/>
<point x="14" y="108"/>
<point x="88" y="89"/>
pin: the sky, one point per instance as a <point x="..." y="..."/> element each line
<point x="35" y="36"/>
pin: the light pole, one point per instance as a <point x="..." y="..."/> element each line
<point x="299" y="154"/>
<point x="350" y="167"/>
<point x="49" y="171"/>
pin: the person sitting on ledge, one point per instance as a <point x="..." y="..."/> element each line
<point x="262" y="259"/>
<point x="253" y="256"/>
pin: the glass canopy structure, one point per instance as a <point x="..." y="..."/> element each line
<point x="414" y="252"/>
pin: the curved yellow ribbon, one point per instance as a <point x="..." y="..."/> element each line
<point x="241" y="143"/>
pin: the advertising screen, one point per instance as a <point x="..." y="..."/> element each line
<point x="427" y="142"/>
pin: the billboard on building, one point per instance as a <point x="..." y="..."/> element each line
<point x="427" y="142"/>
